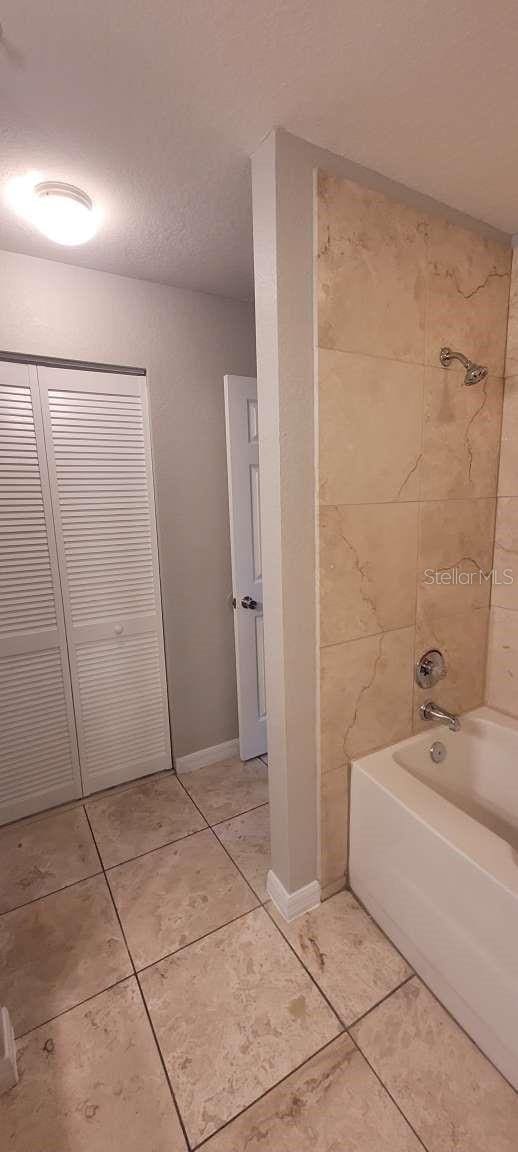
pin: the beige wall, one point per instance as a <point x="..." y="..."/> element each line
<point x="186" y="341"/>
<point x="408" y="462"/>
<point x="502" y="666"/>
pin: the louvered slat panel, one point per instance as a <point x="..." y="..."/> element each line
<point x="38" y="755"/>
<point x="36" y="758"/>
<point x="100" y="439"/>
<point x="121" y="705"/>
<point x="99" y="456"/>
<point x="23" y="531"/>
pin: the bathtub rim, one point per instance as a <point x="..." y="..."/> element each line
<point x="484" y="848"/>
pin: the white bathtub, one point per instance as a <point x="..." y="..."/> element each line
<point x="434" y="858"/>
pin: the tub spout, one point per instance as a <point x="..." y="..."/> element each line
<point x="431" y="711"/>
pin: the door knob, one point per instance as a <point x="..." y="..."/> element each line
<point x="249" y="602"/>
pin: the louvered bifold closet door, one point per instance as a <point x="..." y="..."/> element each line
<point x="99" y="455"/>
<point x="38" y="752"/>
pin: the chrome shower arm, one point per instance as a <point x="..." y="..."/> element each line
<point x="474" y="372"/>
<point x="447" y="356"/>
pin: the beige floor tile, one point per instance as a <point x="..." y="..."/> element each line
<point x="176" y="894"/>
<point x="234" y="1013"/>
<point x="451" y="1095"/>
<point x="228" y="789"/>
<point x="142" y="817"/>
<point x="92" y="1081"/>
<point x="58" y="951"/>
<point x="333" y="1104"/>
<point x="348" y="956"/>
<point x="247" y="839"/>
<point x="44" y="854"/>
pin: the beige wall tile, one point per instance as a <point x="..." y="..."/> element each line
<point x="468" y="277"/>
<point x="367" y="569"/>
<point x="365" y="695"/>
<point x="371" y="272"/>
<point x="505" y="595"/>
<point x="462" y="638"/>
<point x="456" y="553"/>
<point x="508" y="473"/>
<point x="502" y="661"/>
<point x="334" y="828"/>
<point x="511" y="359"/>
<point x="370" y="423"/>
<point x="461" y="435"/>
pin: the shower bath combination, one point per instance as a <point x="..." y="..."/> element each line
<point x="474" y="372"/>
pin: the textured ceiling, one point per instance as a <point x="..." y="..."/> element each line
<point x="154" y="108"/>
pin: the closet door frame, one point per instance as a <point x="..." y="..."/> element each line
<point x="45" y="639"/>
<point x="86" y="380"/>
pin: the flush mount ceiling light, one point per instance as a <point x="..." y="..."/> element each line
<point x="60" y="211"/>
<point x="63" y="213"/>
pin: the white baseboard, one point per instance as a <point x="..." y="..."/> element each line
<point x="206" y="756"/>
<point x="292" y="904"/>
<point x="8" y="1070"/>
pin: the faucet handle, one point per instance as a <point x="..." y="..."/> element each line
<point x="430" y="668"/>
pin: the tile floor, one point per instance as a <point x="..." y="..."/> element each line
<point x="161" y="1004"/>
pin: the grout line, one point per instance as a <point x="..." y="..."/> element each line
<point x="229" y="819"/>
<point x="224" y="819"/>
<point x="306" y="970"/>
<point x="383" y="933"/>
<point x="54" y="892"/>
<point x="198" y="939"/>
<point x="135" y="977"/>
<point x="72" y="1007"/>
<point x="467" y="499"/>
<point x="105" y="868"/>
<point x="225" y="849"/>
<point x="163" y="1063"/>
<point x="157" y="848"/>
<point x="453" y="370"/>
<point x="359" y="1019"/>
<point x="388" y="1092"/>
<point x="203" y="1143"/>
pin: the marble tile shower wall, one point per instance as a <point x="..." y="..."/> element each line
<point x="502" y="664"/>
<point x="408" y="463"/>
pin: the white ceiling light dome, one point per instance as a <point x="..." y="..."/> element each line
<point x="63" y="212"/>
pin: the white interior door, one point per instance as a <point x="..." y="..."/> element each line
<point x="247" y="579"/>
<point x="99" y="456"/>
<point x="38" y="751"/>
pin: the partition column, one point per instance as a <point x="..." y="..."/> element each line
<point x="283" y="253"/>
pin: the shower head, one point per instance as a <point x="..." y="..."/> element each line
<point x="474" y="372"/>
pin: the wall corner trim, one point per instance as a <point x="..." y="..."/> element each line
<point x="292" y="904"/>
<point x="8" y="1069"/>
<point x="206" y="756"/>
